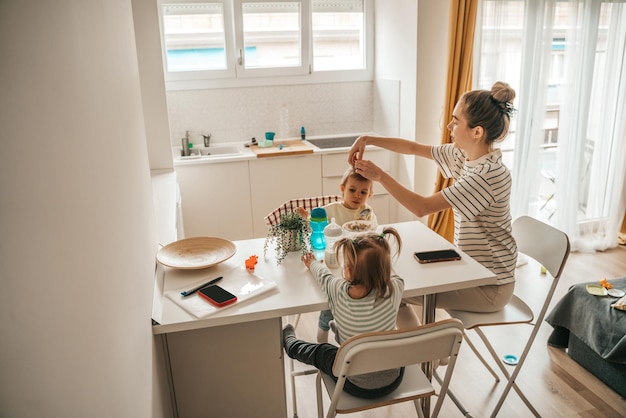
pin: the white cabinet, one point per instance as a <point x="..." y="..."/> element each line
<point x="335" y="165"/>
<point x="230" y="199"/>
<point x="215" y="199"/>
<point x="228" y="371"/>
<point x="273" y="181"/>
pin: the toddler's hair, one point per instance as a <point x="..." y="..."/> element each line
<point x="350" y="173"/>
<point x="368" y="255"/>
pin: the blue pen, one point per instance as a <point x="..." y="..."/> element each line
<point x="185" y="293"/>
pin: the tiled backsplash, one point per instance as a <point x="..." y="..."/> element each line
<point x="238" y="114"/>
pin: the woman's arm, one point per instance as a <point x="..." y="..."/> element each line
<point x="399" y="145"/>
<point x="417" y="204"/>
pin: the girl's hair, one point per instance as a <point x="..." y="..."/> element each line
<point x="369" y="257"/>
<point x="350" y="173"/>
<point x="490" y="109"/>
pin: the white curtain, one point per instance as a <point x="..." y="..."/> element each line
<point x="567" y="149"/>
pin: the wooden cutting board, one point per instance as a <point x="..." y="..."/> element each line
<point x="292" y="147"/>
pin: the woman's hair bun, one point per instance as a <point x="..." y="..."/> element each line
<point x="502" y="92"/>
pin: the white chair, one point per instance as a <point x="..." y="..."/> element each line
<point x="307" y="203"/>
<point x="271" y="219"/>
<point x="377" y="351"/>
<point x="548" y="246"/>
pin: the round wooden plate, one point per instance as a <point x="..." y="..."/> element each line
<point x="196" y="253"/>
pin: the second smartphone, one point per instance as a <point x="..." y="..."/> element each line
<point x="435" y="256"/>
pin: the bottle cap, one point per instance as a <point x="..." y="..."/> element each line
<point x="318" y="214"/>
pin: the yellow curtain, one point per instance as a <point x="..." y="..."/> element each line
<point x="459" y="80"/>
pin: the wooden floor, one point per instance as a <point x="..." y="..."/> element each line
<point x="555" y="384"/>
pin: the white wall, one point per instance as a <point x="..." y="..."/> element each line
<point x="148" y="39"/>
<point x="432" y="65"/>
<point x="411" y="47"/>
<point x="396" y="59"/>
<point x="77" y="248"/>
<point x="238" y="114"/>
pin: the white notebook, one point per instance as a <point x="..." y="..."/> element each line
<point x="239" y="281"/>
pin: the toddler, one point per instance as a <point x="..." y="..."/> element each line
<point x="355" y="191"/>
<point x="366" y="299"/>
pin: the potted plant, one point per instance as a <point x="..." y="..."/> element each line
<point x="291" y="233"/>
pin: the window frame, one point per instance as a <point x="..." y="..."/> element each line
<point x="236" y="76"/>
<point x="305" y="31"/>
<point x="192" y="76"/>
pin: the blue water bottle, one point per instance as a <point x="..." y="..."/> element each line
<point x="318" y="221"/>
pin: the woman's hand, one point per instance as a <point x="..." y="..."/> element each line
<point x="368" y="169"/>
<point x="308" y="259"/>
<point x="357" y="150"/>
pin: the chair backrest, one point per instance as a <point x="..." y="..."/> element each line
<point x="377" y="351"/>
<point x="307" y="203"/>
<point x="544" y="243"/>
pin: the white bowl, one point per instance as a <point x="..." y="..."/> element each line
<point x="358" y="226"/>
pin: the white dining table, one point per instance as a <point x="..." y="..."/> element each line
<point x="231" y="361"/>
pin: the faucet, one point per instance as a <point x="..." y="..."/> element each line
<point x="207" y="139"/>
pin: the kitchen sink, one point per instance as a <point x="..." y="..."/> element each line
<point x="218" y="150"/>
<point x="338" y="142"/>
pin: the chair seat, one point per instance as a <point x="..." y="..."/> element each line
<point x="414" y="385"/>
<point x="550" y="248"/>
<point x="515" y="312"/>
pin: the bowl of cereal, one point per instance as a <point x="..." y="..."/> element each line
<point x="358" y="226"/>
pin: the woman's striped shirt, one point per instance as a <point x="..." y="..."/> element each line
<point x="480" y="198"/>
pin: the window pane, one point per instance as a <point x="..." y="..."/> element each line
<point x="338" y="35"/>
<point x="194" y="37"/>
<point x="570" y="106"/>
<point x="271" y="34"/>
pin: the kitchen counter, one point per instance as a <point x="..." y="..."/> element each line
<point x="326" y="144"/>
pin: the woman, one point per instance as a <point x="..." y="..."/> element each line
<point x="479" y="197"/>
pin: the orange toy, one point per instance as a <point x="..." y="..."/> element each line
<point x="251" y="262"/>
<point x="605" y="284"/>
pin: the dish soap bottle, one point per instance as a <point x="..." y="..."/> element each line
<point x="332" y="234"/>
<point x="318" y="222"/>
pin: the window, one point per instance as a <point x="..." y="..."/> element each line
<point x="338" y="35"/>
<point x="566" y="60"/>
<point x="271" y="38"/>
<point x="194" y="40"/>
<point x="235" y="42"/>
<point x="194" y="37"/>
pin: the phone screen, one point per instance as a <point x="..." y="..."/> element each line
<point x="217" y="295"/>
<point x="435" y="256"/>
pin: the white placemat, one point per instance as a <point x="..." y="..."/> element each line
<point x="240" y="282"/>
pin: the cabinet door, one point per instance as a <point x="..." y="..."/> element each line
<point x="233" y="370"/>
<point x="273" y="181"/>
<point x="215" y="199"/>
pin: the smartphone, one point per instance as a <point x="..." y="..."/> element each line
<point x="435" y="256"/>
<point x="217" y="295"/>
